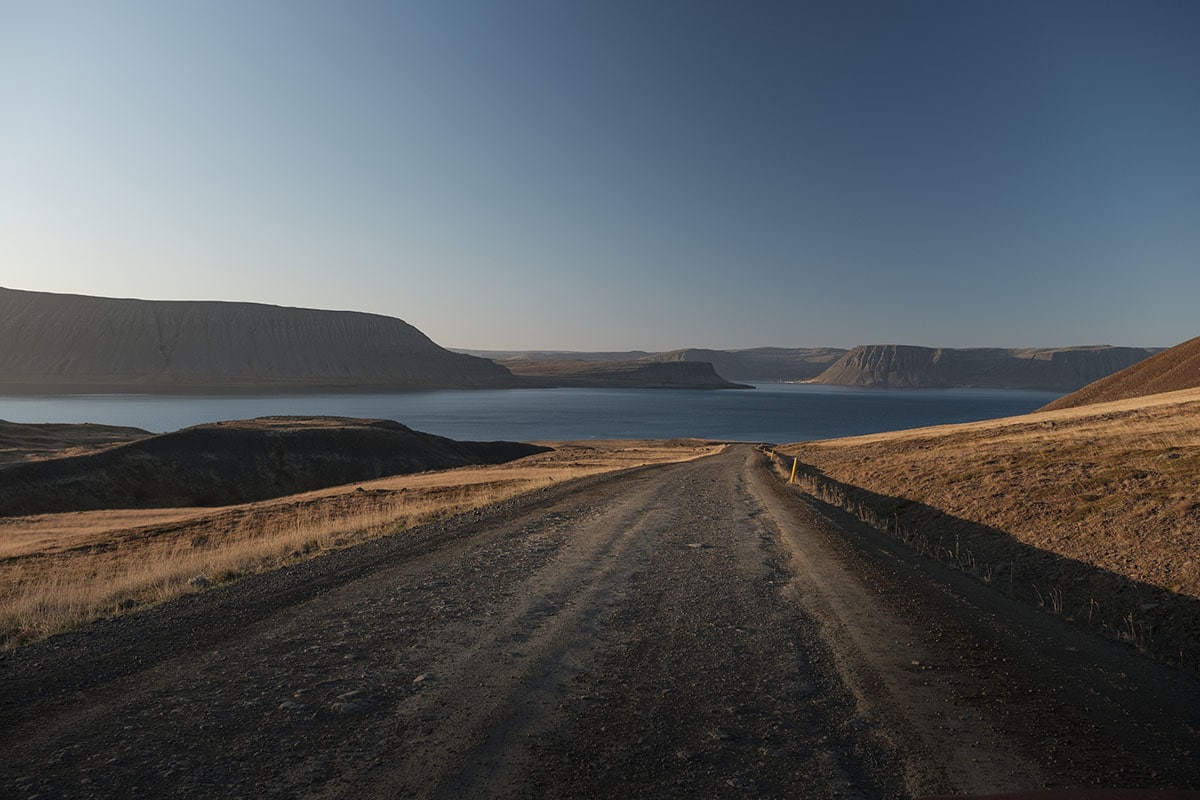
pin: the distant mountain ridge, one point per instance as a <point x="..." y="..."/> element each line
<point x="884" y="366"/>
<point x="1173" y="369"/>
<point x="75" y="342"/>
<point x="556" y="355"/>
<point x="909" y="366"/>
<point x="621" y="374"/>
<point x="759" y="363"/>
<point x="747" y="364"/>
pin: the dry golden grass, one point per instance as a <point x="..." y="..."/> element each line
<point x="1174" y="369"/>
<point x="21" y="442"/>
<point x="58" y="571"/>
<point x="1113" y="486"/>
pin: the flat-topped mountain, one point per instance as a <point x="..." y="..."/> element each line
<point x="61" y="342"/>
<point x="759" y="363"/>
<point x="1061" y="369"/>
<point x="748" y="364"/>
<point x="558" y="355"/>
<point x="239" y="461"/>
<point x="1051" y="369"/>
<point x="620" y="374"/>
<point x="1173" y="369"/>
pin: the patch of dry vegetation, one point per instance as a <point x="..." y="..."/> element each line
<point x="22" y="442"/>
<point x="1172" y="370"/>
<point x="58" y="571"/>
<point x="1087" y="510"/>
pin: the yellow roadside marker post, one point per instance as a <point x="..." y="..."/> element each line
<point x="795" y="461"/>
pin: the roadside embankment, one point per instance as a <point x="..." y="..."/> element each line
<point x="1091" y="512"/>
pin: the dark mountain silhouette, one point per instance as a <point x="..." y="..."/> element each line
<point x="67" y="342"/>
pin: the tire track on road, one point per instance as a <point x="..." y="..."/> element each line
<point x="494" y="697"/>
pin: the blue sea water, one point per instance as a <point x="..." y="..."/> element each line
<point x="772" y="412"/>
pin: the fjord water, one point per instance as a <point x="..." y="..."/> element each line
<point x="772" y="412"/>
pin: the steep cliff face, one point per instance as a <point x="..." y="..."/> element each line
<point x="71" y="341"/>
<point x="1051" y="369"/>
<point x="882" y="365"/>
<point x="1173" y="369"/>
<point x="759" y="363"/>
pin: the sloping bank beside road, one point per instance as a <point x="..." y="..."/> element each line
<point x="977" y="690"/>
<point x="1089" y="513"/>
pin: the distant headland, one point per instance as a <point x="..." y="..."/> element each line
<point x="65" y="343"/>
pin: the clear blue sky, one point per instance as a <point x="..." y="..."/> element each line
<point x="604" y="175"/>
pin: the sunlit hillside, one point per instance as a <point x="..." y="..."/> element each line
<point x="1091" y="511"/>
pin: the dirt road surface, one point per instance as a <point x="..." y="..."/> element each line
<point x="694" y="630"/>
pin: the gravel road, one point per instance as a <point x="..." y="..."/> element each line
<point x="689" y="630"/>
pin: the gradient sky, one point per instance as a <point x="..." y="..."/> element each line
<point x="605" y="175"/>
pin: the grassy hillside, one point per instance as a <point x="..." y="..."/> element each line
<point x="1169" y="371"/>
<point x="21" y="442"/>
<point x="1092" y="512"/>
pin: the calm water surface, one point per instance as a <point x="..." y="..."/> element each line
<point x="770" y="413"/>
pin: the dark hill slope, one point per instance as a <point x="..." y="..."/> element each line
<point x="1173" y="369"/>
<point x="235" y="462"/>
<point x="33" y="442"/>
<point x="1051" y="369"/>
<point x="74" y="342"/>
